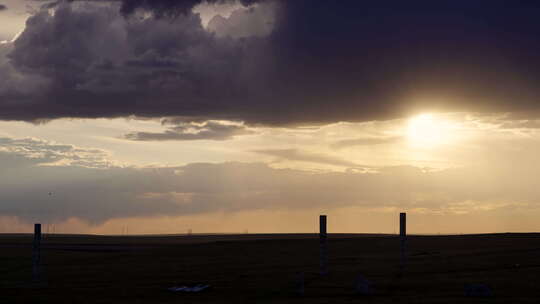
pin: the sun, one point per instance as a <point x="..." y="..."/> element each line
<point x="428" y="130"/>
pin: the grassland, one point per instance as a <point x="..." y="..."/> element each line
<point x="263" y="268"/>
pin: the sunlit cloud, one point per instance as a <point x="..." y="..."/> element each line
<point x="429" y="130"/>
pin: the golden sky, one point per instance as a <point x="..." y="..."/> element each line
<point x="235" y="164"/>
<point x="453" y="173"/>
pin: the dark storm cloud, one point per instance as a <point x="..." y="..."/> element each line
<point x="160" y="8"/>
<point x="169" y="8"/>
<point x="324" y="61"/>
<point x="206" y="131"/>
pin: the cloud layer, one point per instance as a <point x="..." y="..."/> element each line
<point x="323" y="61"/>
<point x="45" y="181"/>
<point x="317" y="158"/>
<point x="366" y="141"/>
<point x="209" y="130"/>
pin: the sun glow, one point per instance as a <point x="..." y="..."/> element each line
<point x="428" y="130"/>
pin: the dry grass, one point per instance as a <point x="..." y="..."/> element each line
<point x="262" y="268"/>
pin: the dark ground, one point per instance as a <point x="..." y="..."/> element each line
<point x="263" y="268"/>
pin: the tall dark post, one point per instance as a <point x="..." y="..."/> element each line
<point x="323" y="245"/>
<point x="36" y="253"/>
<point x="402" y="237"/>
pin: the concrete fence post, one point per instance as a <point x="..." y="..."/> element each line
<point x="323" y="245"/>
<point x="36" y="253"/>
<point x="300" y="284"/>
<point x="403" y="238"/>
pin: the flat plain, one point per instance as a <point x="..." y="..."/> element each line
<point x="264" y="268"/>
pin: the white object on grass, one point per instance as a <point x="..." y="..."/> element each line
<point x="196" y="288"/>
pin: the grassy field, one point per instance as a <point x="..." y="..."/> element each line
<point x="264" y="268"/>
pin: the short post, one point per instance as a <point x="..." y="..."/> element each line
<point x="323" y="245"/>
<point x="300" y="284"/>
<point x="363" y="286"/>
<point x="36" y="253"/>
<point x="402" y="238"/>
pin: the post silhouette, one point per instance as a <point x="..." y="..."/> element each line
<point x="36" y="253"/>
<point x="402" y="238"/>
<point x="323" y="245"/>
<point x="300" y="284"/>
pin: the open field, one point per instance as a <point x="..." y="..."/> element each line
<point x="263" y="268"/>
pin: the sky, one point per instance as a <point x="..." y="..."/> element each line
<point x="259" y="115"/>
